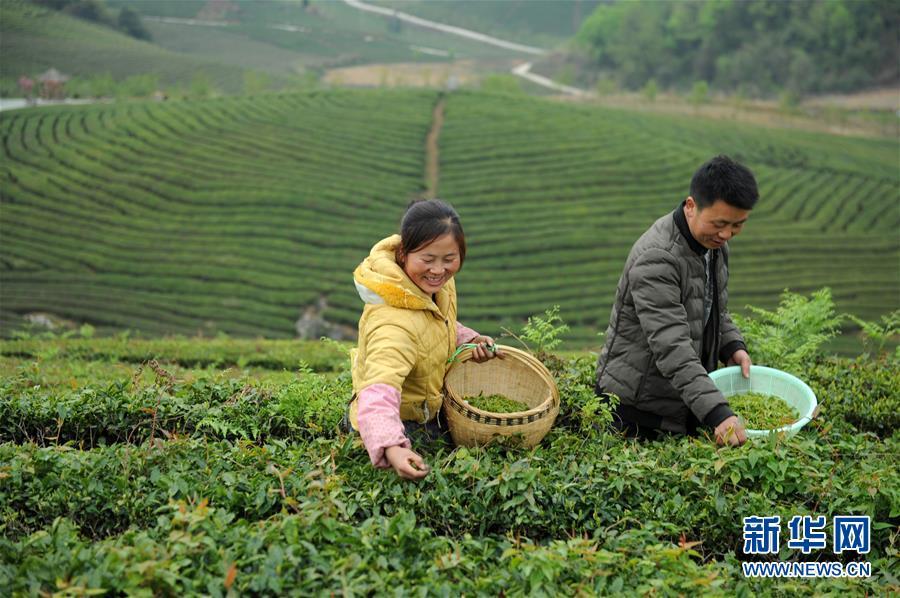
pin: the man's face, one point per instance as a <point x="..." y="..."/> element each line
<point x="716" y="224"/>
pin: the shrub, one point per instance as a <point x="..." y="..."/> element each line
<point x="865" y="392"/>
<point x="130" y="22"/>
<point x="543" y="332"/>
<point x="699" y="93"/>
<point x="502" y="84"/>
<point x="876" y="336"/>
<point x="789" y="338"/>
<point x="314" y="404"/>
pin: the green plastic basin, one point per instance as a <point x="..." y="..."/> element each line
<point x="769" y="381"/>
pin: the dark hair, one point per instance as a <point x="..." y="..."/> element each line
<point x="723" y="178"/>
<point x="424" y="221"/>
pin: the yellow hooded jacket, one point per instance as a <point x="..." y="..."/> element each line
<point x="405" y="336"/>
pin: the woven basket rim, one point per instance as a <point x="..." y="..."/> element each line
<point x="532" y="415"/>
<point x="541" y="410"/>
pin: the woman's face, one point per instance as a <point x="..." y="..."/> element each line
<point x="431" y="266"/>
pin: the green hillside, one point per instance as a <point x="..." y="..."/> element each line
<point x="756" y="47"/>
<point x="228" y="215"/>
<point x="323" y="34"/>
<point x="34" y="39"/>
<point x="240" y="214"/>
<point x="546" y="23"/>
<point x="284" y="40"/>
<point x="557" y="195"/>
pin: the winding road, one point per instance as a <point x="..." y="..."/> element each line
<point x="522" y="70"/>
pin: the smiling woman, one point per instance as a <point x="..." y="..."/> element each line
<point x="432" y="245"/>
<point x="431" y="267"/>
<point x="407" y="334"/>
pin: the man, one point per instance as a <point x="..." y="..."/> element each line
<point x="669" y="325"/>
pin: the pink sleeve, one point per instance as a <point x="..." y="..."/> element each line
<point x="463" y="334"/>
<point x="379" y="422"/>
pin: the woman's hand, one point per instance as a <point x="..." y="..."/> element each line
<point x="408" y="464"/>
<point x="485" y="350"/>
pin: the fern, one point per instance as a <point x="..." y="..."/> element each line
<point x="789" y="337"/>
<point x="544" y="332"/>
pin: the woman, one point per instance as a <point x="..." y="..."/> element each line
<point x="407" y="333"/>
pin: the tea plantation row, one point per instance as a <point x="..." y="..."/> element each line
<point x="559" y="194"/>
<point x="242" y="214"/>
<point x="143" y="481"/>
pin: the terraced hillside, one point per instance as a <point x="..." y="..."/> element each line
<point x="33" y="39"/>
<point x="555" y="195"/>
<point x="242" y="215"/>
<point x="231" y="215"/>
<point x="546" y="23"/>
<point x="283" y="37"/>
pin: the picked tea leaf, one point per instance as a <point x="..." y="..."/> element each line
<point x="496" y="404"/>
<point x="762" y="412"/>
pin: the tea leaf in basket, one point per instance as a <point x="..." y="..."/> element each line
<point x="763" y="412"/>
<point x="496" y="403"/>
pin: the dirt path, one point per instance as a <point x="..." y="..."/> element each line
<point x="432" y="150"/>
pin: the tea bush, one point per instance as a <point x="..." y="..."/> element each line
<point x="865" y="392"/>
<point x="673" y="486"/>
<point x="218" y="352"/>
<point x="94" y="416"/>
<point x="216" y="486"/>
<point x="201" y="549"/>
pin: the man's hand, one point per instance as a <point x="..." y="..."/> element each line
<point x="730" y="432"/>
<point x="408" y="464"/>
<point x="485" y="350"/>
<point x="741" y="358"/>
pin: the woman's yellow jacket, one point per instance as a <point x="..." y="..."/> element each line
<point x="405" y="336"/>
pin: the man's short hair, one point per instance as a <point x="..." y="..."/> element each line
<point x="723" y="178"/>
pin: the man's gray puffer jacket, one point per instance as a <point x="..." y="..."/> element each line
<point x="654" y="356"/>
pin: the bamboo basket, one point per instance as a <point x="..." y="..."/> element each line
<point x="518" y="376"/>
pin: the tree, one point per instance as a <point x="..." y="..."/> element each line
<point x="769" y="45"/>
<point x="201" y="86"/>
<point x="650" y="90"/>
<point x="699" y="93"/>
<point x="89" y="10"/>
<point x="130" y="22"/>
<point x="502" y="84"/>
<point x="255" y="82"/>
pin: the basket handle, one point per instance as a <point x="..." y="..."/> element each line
<point x="464" y="346"/>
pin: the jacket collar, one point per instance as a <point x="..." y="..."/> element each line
<point x="685" y="230"/>
<point x="380" y="279"/>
